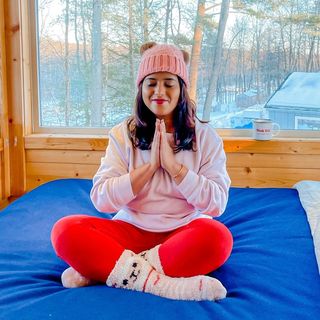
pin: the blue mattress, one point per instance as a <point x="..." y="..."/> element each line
<point x="271" y="274"/>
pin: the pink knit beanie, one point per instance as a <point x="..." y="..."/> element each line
<point x="162" y="58"/>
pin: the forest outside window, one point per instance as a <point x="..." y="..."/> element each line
<point x="242" y="52"/>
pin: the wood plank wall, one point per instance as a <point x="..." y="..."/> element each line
<point x="2" y="62"/>
<point x="4" y="148"/>
<point x="16" y="111"/>
<point x="276" y="163"/>
<point x="1" y="172"/>
<point x="54" y="157"/>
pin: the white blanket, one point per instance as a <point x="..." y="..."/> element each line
<point x="309" y="193"/>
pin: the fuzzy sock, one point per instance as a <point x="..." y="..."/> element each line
<point x="71" y="278"/>
<point x="132" y="272"/>
<point x="152" y="256"/>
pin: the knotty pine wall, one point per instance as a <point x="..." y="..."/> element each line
<point x="276" y="163"/>
<point x="4" y="190"/>
<point x="1" y="173"/>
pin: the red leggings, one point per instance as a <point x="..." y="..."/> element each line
<point x="93" y="245"/>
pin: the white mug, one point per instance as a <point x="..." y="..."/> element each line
<point x="264" y="129"/>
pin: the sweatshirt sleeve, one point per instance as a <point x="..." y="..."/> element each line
<point x="111" y="184"/>
<point x="208" y="189"/>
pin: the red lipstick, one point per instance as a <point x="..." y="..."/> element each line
<point x="159" y="101"/>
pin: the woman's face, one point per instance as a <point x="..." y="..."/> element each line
<point x="160" y="93"/>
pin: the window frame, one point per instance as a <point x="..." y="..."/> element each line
<point x="31" y="91"/>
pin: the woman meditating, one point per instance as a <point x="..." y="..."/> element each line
<point x="164" y="174"/>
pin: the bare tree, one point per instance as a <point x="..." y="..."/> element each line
<point x="67" y="105"/>
<point x="96" y="79"/>
<point x="217" y="59"/>
<point x="145" y="21"/>
<point x="131" y="64"/>
<point x="196" y="49"/>
<point x="168" y="13"/>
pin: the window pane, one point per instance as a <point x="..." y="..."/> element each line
<point x="256" y="59"/>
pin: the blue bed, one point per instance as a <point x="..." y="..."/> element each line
<point x="271" y="274"/>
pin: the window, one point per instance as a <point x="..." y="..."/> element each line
<point x="244" y="56"/>
<point x="307" y="123"/>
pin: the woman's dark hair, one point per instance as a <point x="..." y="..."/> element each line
<point x="141" y="125"/>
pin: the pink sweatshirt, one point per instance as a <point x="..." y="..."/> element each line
<point x="162" y="205"/>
